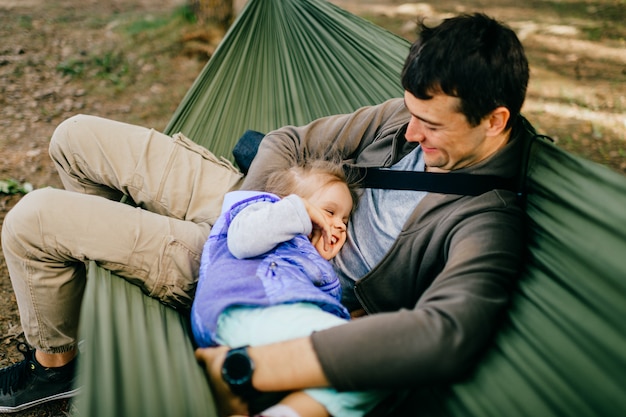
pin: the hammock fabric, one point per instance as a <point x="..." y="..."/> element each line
<point x="288" y="63"/>
<point x="562" y="348"/>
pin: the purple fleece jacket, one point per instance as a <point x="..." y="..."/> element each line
<point x="293" y="271"/>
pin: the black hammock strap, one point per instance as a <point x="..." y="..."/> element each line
<point x="444" y="183"/>
<point x="448" y="183"/>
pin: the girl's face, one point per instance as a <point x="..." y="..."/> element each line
<point x="335" y="202"/>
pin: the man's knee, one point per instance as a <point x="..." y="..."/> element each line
<point x="27" y="214"/>
<point x="64" y="132"/>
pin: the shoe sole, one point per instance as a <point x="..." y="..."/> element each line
<point x="21" y="407"/>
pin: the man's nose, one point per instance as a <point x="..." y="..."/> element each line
<point x="414" y="131"/>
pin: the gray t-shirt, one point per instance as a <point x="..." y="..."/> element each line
<point x="374" y="226"/>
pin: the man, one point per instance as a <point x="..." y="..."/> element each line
<point x="433" y="272"/>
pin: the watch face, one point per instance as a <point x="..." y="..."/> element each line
<point x="238" y="368"/>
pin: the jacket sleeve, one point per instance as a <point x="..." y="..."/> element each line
<point x="441" y="336"/>
<point x="261" y="226"/>
<point x="340" y="136"/>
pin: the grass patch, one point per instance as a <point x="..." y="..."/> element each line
<point x="110" y="65"/>
<point x="605" y="30"/>
<point x="12" y="186"/>
<point x="134" y="66"/>
<point x="151" y="23"/>
<point x="606" y="17"/>
<point x="25" y="22"/>
<point x="137" y="45"/>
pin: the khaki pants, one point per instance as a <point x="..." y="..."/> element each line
<point x="48" y="236"/>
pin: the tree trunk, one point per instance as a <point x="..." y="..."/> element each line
<point x="217" y="12"/>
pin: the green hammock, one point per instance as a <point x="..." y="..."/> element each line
<point x="288" y="63"/>
<point x="562" y="349"/>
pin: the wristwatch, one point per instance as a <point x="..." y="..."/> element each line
<point x="237" y="372"/>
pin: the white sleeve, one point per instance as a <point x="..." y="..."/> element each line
<point x="261" y="226"/>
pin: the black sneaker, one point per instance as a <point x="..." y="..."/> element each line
<point x="27" y="383"/>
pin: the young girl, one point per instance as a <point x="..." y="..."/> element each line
<point x="264" y="275"/>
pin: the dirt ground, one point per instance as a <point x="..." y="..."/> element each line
<point x="133" y="60"/>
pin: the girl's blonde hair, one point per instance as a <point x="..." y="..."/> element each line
<point x="294" y="180"/>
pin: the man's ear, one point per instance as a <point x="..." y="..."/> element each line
<point x="497" y="121"/>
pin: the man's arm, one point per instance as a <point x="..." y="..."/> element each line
<point x="341" y="136"/>
<point x="439" y="336"/>
<point x="283" y="366"/>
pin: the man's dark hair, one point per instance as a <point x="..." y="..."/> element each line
<point x="472" y="57"/>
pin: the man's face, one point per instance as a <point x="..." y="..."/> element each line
<point x="446" y="137"/>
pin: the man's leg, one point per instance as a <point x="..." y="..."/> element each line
<point x="165" y="175"/>
<point x="47" y="238"/>
<point x="50" y="230"/>
<point x="49" y="235"/>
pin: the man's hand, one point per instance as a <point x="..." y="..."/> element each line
<point x="291" y="365"/>
<point x="227" y="402"/>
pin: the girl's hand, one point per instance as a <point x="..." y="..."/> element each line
<point x="321" y="226"/>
